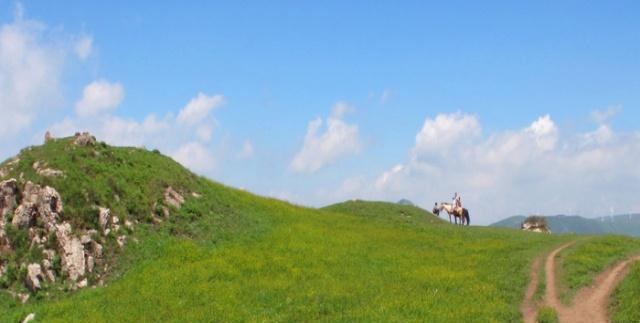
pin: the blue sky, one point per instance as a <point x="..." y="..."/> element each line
<point x="495" y="68"/>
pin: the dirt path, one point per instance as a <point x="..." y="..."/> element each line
<point x="529" y="307"/>
<point x="588" y="306"/>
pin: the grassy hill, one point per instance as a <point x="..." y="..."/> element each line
<point x="230" y="256"/>
<point x="628" y="224"/>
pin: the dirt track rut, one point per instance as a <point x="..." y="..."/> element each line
<point x="590" y="303"/>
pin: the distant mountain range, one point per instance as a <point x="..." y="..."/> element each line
<point x="628" y="224"/>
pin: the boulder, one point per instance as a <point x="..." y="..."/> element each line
<point x="44" y="203"/>
<point x="73" y="262"/>
<point x="122" y="240"/>
<point x="83" y="283"/>
<point x="84" y="139"/>
<point x="23" y="216"/>
<point x="48" y="270"/>
<point x="8" y="194"/>
<point x="91" y="263"/>
<point x="50" y="172"/>
<point x="104" y="215"/>
<point x="96" y="249"/>
<point x="173" y="198"/>
<point x="34" y="276"/>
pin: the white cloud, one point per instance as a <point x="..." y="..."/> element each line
<point x="30" y="72"/>
<point x="604" y="115"/>
<point x="205" y="132"/>
<point x="83" y="47"/>
<point x="247" y="150"/>
<point x="98" y="97"/>
<point x="441" y="134"/>
<point x="199" y="108"/>
<point x="195" y="156"/>
<point x="339" y="139"/>
<point x="341" y="109"/>
<point x="526" y="171"/>
<point x="544" y="132"/>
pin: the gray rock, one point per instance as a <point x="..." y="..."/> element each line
<point x="97" y="250"/>
<point x="73" y="262"/>
<point x="173" y="198"/>
<point x="104" y="215"/>
<point x="23" y="216"/>
<point x="84" y="139"/>
<point x="8" y="194"/>
<point x="91" y="263"/>
<point x="48" y="137"/>
<point x="34" y="276"/>
<point x="44" y="203"/>
<point x="50" y="172"/>
<point x="85" y="239"/>
<point x="122" y="240"/>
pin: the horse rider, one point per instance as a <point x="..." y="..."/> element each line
<point x="457" y="202"/>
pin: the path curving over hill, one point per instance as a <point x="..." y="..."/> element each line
<point x="590" y="303"/>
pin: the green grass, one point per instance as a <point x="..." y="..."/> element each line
<point x="581" y="263"/>
<point x="230" y="256"/>
<point x="541" y="289"/>
<point x="547" y="315"/>
<point x="318" y="266"/>
<point x="388" y="213"/>
<point x="625" y="301"/>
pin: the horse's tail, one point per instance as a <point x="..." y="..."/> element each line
<point x="465" y="213"/>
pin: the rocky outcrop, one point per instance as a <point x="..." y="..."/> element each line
<point x="8" y="197"/>
<point x="74" y="254"/>
<point x="73" y="261"/>
<point x="84" y="139"/>
<point x="42" y="170"/>
<point x="34" y="276"/>
<point x="173" y="198"/>
<point x="104" y="215"/>
<point x="536" y="224"/>
<point x="37" y="202"/>
<point x="8" y="194"/>
<point x="48" y="137"/>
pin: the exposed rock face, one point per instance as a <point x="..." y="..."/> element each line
<point x="536" y="224"/>
<point x="76" y="254"/>
<point x="104" y="215"/>
<point x="8" y="194"/>
<point x="173" y="198"/>
<point x="34" y="276"/>
<point x="37" y="202"/>
<point x="84" y="139"/>
<point x="73" y="261"/>
<point x="42" y="170"/>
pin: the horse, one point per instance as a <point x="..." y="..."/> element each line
<point x="461" y="213"/>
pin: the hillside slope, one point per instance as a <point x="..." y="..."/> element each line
<point x="225" y="255"/>
<point x="628" y="224"/>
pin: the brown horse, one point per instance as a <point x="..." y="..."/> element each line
<point x="461" y="213"/>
